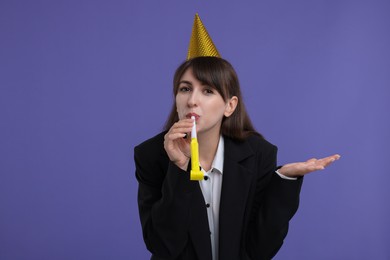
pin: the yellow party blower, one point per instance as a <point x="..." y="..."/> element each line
<point x="196" y="174"/>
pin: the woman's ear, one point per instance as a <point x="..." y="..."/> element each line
<point x="231" y="106"/>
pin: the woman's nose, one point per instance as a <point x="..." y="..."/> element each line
<point x="193" y="99"/>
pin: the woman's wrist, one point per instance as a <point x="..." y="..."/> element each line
<point x="183" y="165"/>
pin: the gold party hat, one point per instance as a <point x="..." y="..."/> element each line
<point x="201" y="43"/>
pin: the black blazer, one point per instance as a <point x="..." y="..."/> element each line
<point x="255" y="207"/>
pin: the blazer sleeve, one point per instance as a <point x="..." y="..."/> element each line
<point x="275" y="203"/>
<point x="164" y="195"/>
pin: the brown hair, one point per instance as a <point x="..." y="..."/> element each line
<point x="219" y="74"/>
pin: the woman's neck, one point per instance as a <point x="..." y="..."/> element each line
<point x="208" y="145"/>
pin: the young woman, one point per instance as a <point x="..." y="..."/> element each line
<point x="242" y="208"/>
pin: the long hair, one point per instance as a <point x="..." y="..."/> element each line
<point x="219" y="74"/>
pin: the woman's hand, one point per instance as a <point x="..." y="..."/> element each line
<point x="301" y="168"/>
<point x="176" y="146"/>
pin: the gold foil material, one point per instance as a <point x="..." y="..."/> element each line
<point x="201" y="43"/>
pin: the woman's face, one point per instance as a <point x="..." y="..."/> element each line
<point x="204" y="102"/>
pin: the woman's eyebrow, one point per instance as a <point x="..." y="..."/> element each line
<point x="185" y="82"/>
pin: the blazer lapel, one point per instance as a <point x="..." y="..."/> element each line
<point x="199" y="231"/>
<point x="236" y="185"/>
<point x="199" y="226"/>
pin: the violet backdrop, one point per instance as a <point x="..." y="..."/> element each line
<point x="82" y="82"/>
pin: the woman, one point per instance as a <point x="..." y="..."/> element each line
<point x="242" y="208"/>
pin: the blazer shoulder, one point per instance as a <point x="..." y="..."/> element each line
<point x="151" y="160"/>
<point x="259" y="143"/>
<point x="152" y="145"/>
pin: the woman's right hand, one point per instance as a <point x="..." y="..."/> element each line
<point x="178" y="147"/>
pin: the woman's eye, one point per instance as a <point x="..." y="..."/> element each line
<point x="208" y="91"/>
<point x="184" y="89"/>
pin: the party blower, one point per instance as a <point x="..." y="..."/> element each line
<point x="196" y="174"/>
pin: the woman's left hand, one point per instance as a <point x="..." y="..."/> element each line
<point x="301" y="168"/>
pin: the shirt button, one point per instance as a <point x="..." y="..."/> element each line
<point x="206" y="178"/>
<point x="207" y="205"/>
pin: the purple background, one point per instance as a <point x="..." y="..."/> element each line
<point x="83" y="82"/>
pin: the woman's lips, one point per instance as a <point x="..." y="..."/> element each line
<point x="189" y="115"/>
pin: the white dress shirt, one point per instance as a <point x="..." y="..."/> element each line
<point x="211" y="189"/>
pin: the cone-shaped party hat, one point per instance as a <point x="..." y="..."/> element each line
<point x="201" y="43"/>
